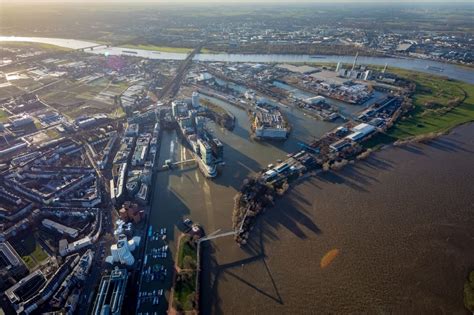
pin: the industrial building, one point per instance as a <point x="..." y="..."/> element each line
<point x="269" y="123"/>
<point x="21" y="120"/>
<point x="86" y="122"/>
<point x="360" y="131"/>
<point x="111" y="293"/>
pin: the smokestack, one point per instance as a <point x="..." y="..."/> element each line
<point x="355" y="61"/>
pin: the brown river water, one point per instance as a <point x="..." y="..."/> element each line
<point x="393" y="234"/>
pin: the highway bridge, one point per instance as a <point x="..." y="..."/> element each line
<point x="172" y="87"/>
<point x="114" y="44"/>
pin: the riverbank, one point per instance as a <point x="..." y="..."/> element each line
<point x="438" y="105"/>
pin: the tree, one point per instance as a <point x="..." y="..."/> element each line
<point x="188" y="262"/>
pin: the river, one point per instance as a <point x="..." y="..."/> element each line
<point x="399" y="225"/>
<point x="392" y="234"/>
<point x="449" y="70"/>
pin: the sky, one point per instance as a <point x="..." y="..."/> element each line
<point x="228" y="1"/>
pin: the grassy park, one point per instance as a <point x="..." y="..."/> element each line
<point x="30" y="251"/>
<point x="187" y="253"/>
<point x="439" y="105"/>
<point x="184" y="289"/>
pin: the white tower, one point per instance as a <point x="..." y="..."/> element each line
<point x="338" y="67"/>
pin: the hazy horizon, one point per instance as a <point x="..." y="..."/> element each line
<point x="284" y="2"/>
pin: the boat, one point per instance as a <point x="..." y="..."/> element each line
<point x="317" y="57"/>
<point x="434" y="68"/>
<point x="129" y="52"/>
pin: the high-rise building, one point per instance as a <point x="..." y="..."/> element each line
<point x="206" y="151"/>
<point x="217" y="148"/>
<point x="122" y="251"/>
<point x="195" y="99"/>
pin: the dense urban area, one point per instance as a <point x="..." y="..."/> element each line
<point x="89" y="133"/>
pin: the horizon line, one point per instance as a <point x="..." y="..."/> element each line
<point x="231" y="2"/>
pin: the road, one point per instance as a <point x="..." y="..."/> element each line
<point x="172" y="87"/>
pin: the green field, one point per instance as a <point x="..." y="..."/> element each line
<point x="73" y="98"/>
<point x="31" y="252"/>
<point x="439" y="105"/>
<point x="184" y="289"/>
<point x="183" y="50"/>
<point x="41" y="46"/>
<point x="184" y="293"/>
<point x="186" y="248"/>
<point x="3" y="116"/>
<point x="168" y="49"/>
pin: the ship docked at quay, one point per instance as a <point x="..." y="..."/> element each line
<point x="206" y="149"/>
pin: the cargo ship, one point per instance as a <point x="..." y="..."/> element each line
<point x="434" y="68"/>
